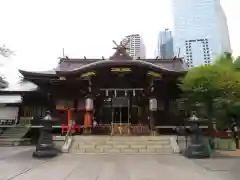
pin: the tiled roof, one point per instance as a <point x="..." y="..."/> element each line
<point x="10" y="99"/>
<point x="20" y="87"/>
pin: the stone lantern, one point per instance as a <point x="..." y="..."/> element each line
<point x="45" y="146"/>
<point x="196" y="148"/>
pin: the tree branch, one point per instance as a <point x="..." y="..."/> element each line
<point x="5" y="52"/>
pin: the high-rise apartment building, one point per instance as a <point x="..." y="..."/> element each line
<point x="200" y="31"/>
<point x="165" y="45"/>
<point x="136" y="47"/>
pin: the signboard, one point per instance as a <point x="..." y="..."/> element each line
<point x="154" y="74"/>
<point x="121" y="70"/>
<point x="88" y="74"/>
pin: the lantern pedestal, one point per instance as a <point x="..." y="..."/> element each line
<point x="197" y="151"/>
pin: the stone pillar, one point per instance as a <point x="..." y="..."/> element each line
<point x="152" y="110"/>
<point x="88" y="116"/>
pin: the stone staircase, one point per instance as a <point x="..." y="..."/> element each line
<point x="59" y="141"/>
<point x="14" y="136"/>
<point x="123" y="145"/>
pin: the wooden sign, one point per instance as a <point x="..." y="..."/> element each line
<point x="154" y="74"/>
<point x="121" y="70"/>
<point x="88" y="74"/>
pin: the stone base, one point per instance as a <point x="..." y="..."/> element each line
<point x="48" y="153"/>
<point x="197" y="151"/>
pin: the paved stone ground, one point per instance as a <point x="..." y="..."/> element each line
<point x="18" y="164"/>
<point x="234" y="153"/>
<point x="225" y="164"/>
<point x="226" y="167"/>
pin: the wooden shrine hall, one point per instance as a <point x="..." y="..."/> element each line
<point x="119" y="95"/>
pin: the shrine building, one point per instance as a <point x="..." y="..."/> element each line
<point x="114" y="94"/>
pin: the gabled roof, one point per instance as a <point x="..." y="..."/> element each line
<point x="77" y="65"/>
<point x="49" y="73"/>
<point x="120" y="57"/>
<point x="172" y="67"/>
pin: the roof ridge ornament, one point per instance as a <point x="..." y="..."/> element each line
<point x="121" y="51"/>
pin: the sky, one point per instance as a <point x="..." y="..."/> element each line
<point x="38" y="30"/>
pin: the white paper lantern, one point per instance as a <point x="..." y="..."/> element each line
<point x="89" y="104"/>
<point x="153" y="104"/>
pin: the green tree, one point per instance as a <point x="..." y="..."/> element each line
<point x="213" y="88"/>
<point x="5" y="52"/>
<point x="200" y="87"/>
<point x="237" y="63"/>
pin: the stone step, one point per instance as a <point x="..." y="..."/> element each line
<point x="134" y="146"/>
<point x="16" y="132"/>
<point x="118" y="151"/>
<point x="14" y="136"/>
<point x="127" y="150"/>
<point x="59" y="138"/>
<point x="121" y="138"/>
<point x="15" y="142"/>
<point x="9" y="136"/>
<point x="122" y="145"/>
<point x="113" y="144"/>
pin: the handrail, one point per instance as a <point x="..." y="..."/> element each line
<point x="68" y="139"/>
<point x="69" y="132"/>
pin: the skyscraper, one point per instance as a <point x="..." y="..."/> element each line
<point x="165" y="44"/>
<point x="136" y="47"/>
<point x="200" y="31"/>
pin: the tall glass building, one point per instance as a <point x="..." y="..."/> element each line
<point x="165" y="45"/>
<point x="200" y="31"/>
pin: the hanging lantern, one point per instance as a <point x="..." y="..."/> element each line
<point x="89" y="104"/>
<point x="153" y="104"/>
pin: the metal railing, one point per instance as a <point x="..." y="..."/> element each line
<point x="69" y="131"/>
<point x="68" y="138"/>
